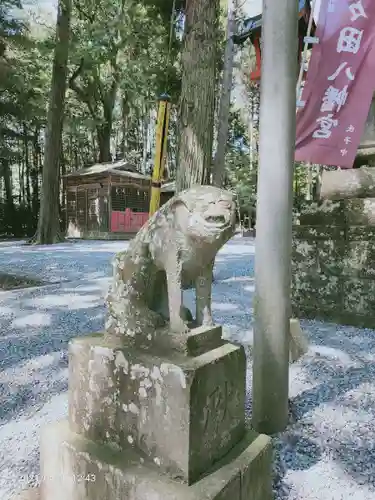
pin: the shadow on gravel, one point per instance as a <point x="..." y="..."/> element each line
<point x="25" y="391"/>
<point x="15" y="282"/>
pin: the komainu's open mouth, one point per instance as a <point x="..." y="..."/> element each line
<point x="216" y="219"/>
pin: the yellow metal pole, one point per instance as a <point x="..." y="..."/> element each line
<point x="160" y="152"/>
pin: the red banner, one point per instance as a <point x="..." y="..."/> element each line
<point x="340" y="84"/>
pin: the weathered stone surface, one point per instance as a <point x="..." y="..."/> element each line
<point x="183" y="412"/>
<point x="320" y="256"/>
<point x="88" y="471"/>
<point x="316" y="290"/>
<point x="194" y="343"/>
<point x="314" y="233"/>
<point x="360" y="233"/>
<point x="360" y="212"/>
<point x="359" y="296"/>
<point x="332" y="276"/>
<point x="203" y="339"/>
<point x="323" y="213"/>
<point x="175" y="248"/>
<point x="348" y="183"/>
<point x="304" y="253"/>
<point x="330" y="256"/>
<point x="359" y="261"/>
<point x="29" y="494"/>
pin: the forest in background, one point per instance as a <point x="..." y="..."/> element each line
<point x="122" y="55"/>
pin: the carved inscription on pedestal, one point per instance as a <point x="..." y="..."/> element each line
<point x="221" y="417"/>
<point x="218" y="410"/>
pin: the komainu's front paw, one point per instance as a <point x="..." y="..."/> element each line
<point x="177" y="325"/>
<point x="208" y="322"/>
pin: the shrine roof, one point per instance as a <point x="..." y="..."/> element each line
<point x="122" y="167"/>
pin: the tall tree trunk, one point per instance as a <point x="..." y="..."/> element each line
<point x="35" y="173"/>
<point x="92" y="147"/>
<point x="145" y="124"/>
<point x="27" y="164"/>
<point x="62" y="186"/>
<point x="124" y="126"/>
<point x="62" y="198"/>
<point x="104" y="142"/>
<point x="21" y="173"/>
<point x="70" y="147"/>
<point x="218" y="177"/>
<point x="48" y="231"/>
<point x="7" y="175"/>
<point x="9" y="221"/>
<point x="197" y="107"/>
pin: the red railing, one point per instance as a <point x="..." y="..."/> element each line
<point x="128" y="221"/>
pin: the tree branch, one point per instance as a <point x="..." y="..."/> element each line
<point x="98" y="83"/>
<point x="84" y="15"/>
<point x="84" y="96"/>
<point x="76" y="73"/>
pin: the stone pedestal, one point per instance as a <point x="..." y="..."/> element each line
<point x="78" y="469"/>
<point x="183" y="413"/>
<point x="161" y="424"/>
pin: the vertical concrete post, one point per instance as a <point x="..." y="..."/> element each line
<point x="274" y="216"/>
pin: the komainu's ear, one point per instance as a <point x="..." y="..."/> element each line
<point x="176" y="203"/>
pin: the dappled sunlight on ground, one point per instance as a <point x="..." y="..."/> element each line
<point x="219" y="306"/>
<point x="326" y="454"/>
<point x="33" y="319"/>
<point x="71" y="301"/>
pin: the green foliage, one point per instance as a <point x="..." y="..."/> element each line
<point x="120" y="53"/>
<point x="241" y="175"/>
<point x="25" y="80"/>
<point x="23" y="85"/>
<point x="121" y="60"/>
<point x="164" y="8"/>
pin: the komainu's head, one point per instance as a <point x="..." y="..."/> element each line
<point x="207" y="213"/>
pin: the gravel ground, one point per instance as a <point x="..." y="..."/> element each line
<point x="328" y="454"/>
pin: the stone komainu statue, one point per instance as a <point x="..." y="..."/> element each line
<point x="173" y="250"/>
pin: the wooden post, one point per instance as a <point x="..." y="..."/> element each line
<point x="160" y="152"/>
<point x="109" y="203"/>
